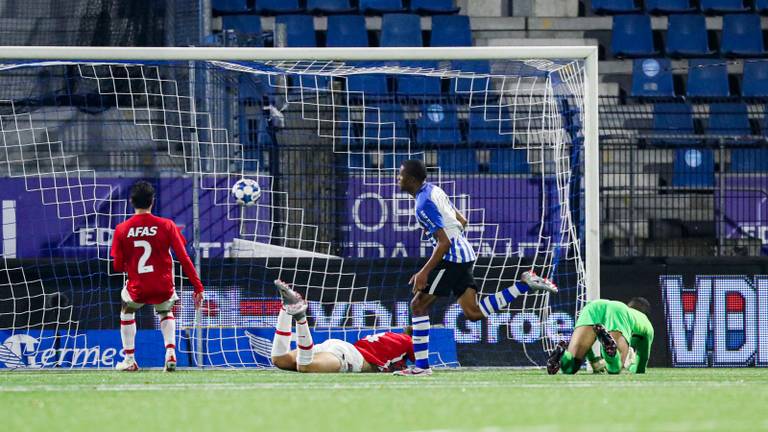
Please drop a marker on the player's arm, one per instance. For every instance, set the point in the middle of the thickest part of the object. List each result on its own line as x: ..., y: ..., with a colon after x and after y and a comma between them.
x: 460, y: 217
x: 419, y: 280
x: 177, y: 244
x: 117, y: 252
x: 642, y: 346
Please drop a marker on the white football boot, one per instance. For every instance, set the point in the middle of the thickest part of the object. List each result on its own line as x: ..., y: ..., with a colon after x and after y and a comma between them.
x: 538, y: 283
x: 413, y: 371
x: 170, y: 360
x: 293, y: 303
x: 127, y: 365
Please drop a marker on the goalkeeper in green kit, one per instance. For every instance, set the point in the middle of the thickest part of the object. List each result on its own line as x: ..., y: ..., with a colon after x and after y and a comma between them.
x: 623, y: 330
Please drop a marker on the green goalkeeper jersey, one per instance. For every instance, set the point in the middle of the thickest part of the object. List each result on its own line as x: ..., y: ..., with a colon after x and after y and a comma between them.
x: 631, y: 323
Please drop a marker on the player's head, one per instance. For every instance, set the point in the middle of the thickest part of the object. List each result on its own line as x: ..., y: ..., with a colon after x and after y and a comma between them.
x: 641, y: 304
x: 142, y: 195
x: 412, y: 175
x: 408, y: 330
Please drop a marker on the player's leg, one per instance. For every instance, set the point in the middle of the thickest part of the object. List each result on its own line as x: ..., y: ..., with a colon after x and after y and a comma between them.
x: 615, y: 350
x: 473, y: 310
x: 420, y: 305
x: 282, y: 356
x: 128, y: 310
x: 322, y: 362
x: 569, y: 358
x: 168, y: 330
x: 528, y: 282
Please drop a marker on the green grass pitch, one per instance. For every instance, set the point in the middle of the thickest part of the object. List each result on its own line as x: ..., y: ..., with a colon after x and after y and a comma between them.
x: 459, y: 400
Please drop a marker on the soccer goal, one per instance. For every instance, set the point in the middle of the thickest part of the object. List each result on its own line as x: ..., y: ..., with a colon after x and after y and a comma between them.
x: 509, y: 133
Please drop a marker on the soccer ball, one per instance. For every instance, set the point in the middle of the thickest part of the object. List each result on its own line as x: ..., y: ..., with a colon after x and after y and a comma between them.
x: 246, y: 192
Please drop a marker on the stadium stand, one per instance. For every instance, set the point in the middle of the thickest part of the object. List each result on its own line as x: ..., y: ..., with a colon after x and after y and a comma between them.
x: 450, y: 30
x: 632, y: 37
x: 508, y: 161
x: 401, y: 30
x: 385, y: 122
x: 458, y: 161
x: 326, y: 7
x: 221, y: 7
x: 723, y: 6
x: 433, y: 7
x: 755, y: 79
x: 652, y: 78
x: 749, y: 160
x: 299, y: 29
x: 419, y: 86
x: 708, y: 78
x: 277, y: 7
x: 488, y: 127
x: 438, y: 125
x: 728, y: 120
x: 687, y: 36
x: 346, y: 31
x: 665, y: 7
x: 670, y: 121
x: 378, y: 7
x: 247, y: 28
x: 465, y: 86
x: 693, y: 168
x: 614, y: 7
x: 742, y: 36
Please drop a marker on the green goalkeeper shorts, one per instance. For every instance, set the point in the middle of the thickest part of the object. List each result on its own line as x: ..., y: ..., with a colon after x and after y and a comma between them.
x: 613, y: 315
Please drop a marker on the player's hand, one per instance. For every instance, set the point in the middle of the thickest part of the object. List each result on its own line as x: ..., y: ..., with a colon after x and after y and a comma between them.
x: 198, y: 297
x: 418, y: 281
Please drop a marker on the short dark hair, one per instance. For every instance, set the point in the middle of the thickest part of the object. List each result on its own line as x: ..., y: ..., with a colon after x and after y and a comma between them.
x: 142, y: 194
x: 415, y: 168
x: 641, y: 304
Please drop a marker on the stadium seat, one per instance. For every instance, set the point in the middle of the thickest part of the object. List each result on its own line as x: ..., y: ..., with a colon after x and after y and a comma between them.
x: 385, y: 122
x: 631, y: 36
x: 508, y: 161
x: 299, y: 30
x: 612, y: 7
x: 652, y: 78
x: 247, y: 28
x: 749, y: 160
x: 693, y: 167
x: 418, y: 86
x: 346, y: 31
x: 722, y: 6
x: 462, y: 160
x: 451, y: 31
x: 742, y: 36
x: 465, y: 86
x: 755, y: 78
x: 328, y: 7
x: 761, y: 6
x: 489, y: 125
x: 665, y: 7
x: 401, y: 30
x: 687, y: 36
x: 438, y: 124
x: 278, y: 7
x: 229, y: 6
x: 729, y: 119
x: 708, y: 78
x: 672, y: 119
x: 434, y: 7
x: 372, y: 85
x: 378, y: 7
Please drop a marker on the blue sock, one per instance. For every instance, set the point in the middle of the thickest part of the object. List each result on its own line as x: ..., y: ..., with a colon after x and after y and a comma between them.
x: 496, y: 302
x: 421, y: 341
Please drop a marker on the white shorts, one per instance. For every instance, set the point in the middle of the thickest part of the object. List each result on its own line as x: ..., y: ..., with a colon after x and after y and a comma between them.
x: 350, y: 358
x: 161, y: 307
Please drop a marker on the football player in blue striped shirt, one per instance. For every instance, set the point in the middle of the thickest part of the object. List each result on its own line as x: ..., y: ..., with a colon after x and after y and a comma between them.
x: 449, y: 269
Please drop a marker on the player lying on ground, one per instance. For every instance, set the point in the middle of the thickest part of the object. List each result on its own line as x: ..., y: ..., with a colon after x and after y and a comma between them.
x: 141, y: 247
x: 624, y: 331
x: 449, y: 269
x: 381, y: 352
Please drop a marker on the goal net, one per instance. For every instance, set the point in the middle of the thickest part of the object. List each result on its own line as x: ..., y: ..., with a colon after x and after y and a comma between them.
x: 504, y: 136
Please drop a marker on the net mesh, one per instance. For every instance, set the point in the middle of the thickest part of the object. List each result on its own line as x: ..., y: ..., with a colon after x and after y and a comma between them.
x: 324, y: 140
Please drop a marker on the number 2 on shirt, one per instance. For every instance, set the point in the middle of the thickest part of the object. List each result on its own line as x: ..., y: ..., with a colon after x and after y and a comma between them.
x: 143, y: 267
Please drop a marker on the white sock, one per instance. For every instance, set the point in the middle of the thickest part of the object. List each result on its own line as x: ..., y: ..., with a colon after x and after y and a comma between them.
x: 128, y: 333
x: 304, y: 341
x: 281, y: 343
x: 168, y: 329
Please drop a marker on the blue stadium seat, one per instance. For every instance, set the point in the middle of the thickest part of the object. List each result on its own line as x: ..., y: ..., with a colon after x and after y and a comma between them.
x: 438, y: 124
x: 652, y: 78
x: 463, y: 160
x: 450, y: 31
x: 247, y: 28
x: 418, y: 86
x: 327, y: 7
x: 611, y: 7
x: 373, y: 85
x: 392, y: 160
x: 761, y: 6
x: 666, y: 7
x: 722, y: 6
x: 379, y: 7
x: 708, y: 78
x: 508, y: 161
x: 752, y: 160
x: 299, y: 30
x: 693, y: 167
x: 401, y: 30
x: 346, y: 31
x: 742, y: 36
x: 434, y: 7
x: 687, y: 36
x: 490, y: 125
x: 631, y: 36
x: 385, y: 122
x: 465, y: 86
x: 755, y: 79
x: 729, y: 119
x: 229, y: 6
x: 673, y: 118
x: 278, y: 7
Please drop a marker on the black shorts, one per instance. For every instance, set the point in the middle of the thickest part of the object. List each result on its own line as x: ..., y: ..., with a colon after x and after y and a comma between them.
x: 450, y: 277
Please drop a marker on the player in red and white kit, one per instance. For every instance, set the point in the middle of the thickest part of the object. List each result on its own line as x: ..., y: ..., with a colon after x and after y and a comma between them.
x: 381, y: 352
x: 141, y: 247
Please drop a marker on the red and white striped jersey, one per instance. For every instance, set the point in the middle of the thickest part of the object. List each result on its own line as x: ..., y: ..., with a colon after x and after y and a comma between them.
x: 389, y: 351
